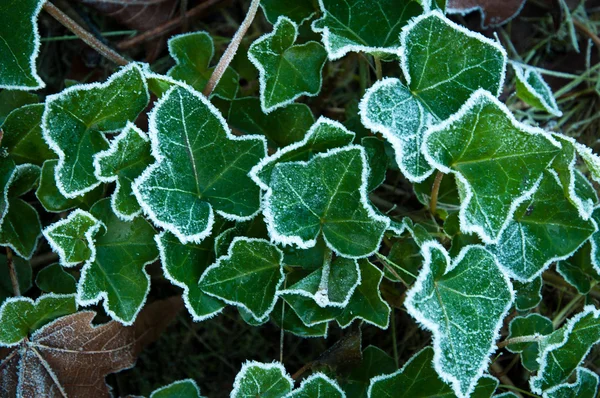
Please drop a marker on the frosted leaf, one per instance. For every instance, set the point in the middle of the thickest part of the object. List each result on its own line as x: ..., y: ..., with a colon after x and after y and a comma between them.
x: 581, y: 269
x: 291, y: 323
x: 257, y: 379
x: 180, y: 389
x: 378, y: 161
x: 463, y: 303
x: 529, y: 294
x: 286, y: 70
x: 530, y: 325
x: 532, y: 89
x: 497, y: 161
x: 317, y: 385
x: 54, y: 279
x: 586, y: 386
x: 298, y: 11
x: 200, y: 167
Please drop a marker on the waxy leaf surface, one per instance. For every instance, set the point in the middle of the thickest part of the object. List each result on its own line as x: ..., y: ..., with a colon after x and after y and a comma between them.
x: 54, y: 279
x: 268, y: 380
x: 23, y: 135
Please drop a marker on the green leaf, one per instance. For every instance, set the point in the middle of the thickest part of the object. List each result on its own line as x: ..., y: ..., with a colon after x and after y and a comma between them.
x: 23, y: 271
x: 200, y: 168
x: 54, y: 279
x: 348, y: 26
x: 124, y: 160
x: 530, y: 325
x: 374, y: 362
x: 117, y: 273
x: 317, y: 385
x: 298, y: 11
x: 325, y: 195
x: 563, y: 351
x: 24, y: 179
x: 532, y: 89
x: 20, y: 45
x: 586, y: 386
x: 378, y: 161
x: 7, y: 174
x: 75, y: 119
x: 405, y: 259
x: 183, y: 265
x: 19, y: 316
x: 579, y: 270
x: 419, y: 379
x: 21, y: 228
x: 291, y: 323
x: 248, y: 276
x: 544, y: 229
x: 389, y: 108
x: 192, y: 53
x: 463, y: 304
x: 23, y: 135
x: 13, y: 99
x: 528, y: 295
x: 265, y: 380
x: 180, y: 389
x: 441, y: 57
x: 72, y: 238
x: 286, y: 71
x: 516, y: 158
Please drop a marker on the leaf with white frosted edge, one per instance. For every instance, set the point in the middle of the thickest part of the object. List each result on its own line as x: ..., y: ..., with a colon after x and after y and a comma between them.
x: 325, y: 195
x: 298, y: 11
x: 124, y: 160
x: 200, y: 167
x: 444, y: 63
x: 463, y: 303
x: 528, y: 295
x: 348, y: 26
x: 389, y: 108
x: 317, y: 385
x: 13, y: 99
x: 532, y: 89
x: 545, y: 228
x: 75, y: 119
x: 192, y: 53
x: 7, y: 174
x: 248, y: 276
x: 595, y: 242
x: 592, y: 161
x: 579, y: 270
x: 255, y: 228
x: 419, y: 379
x: 324, y: 135
x: 482, y: 140
x: 286, y: 70
x: 586, y: 386
x: 54, y: 279
x: 366, y: 303
x: 20, y: 44
x: 23, y: 135
x: 404, y: 259
x: 378, y: 161
x: 180, y: 389
x: 117, y: 274
x: 291, y: 323
x: 268, y: 380
x: 23, y: 271
x: 530, y: 325
x: 72, y: 238
x: 183, y: 265
x: 374, y: 362
x: 563, y: 351
x: 19, y: 316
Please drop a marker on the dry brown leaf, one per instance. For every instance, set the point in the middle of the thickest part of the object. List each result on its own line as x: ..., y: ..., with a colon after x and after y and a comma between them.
x: 493, y: 12
x: 140, y: 15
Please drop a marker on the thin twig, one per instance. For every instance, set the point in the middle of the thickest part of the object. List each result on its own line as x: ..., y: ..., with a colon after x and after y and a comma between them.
x: 12, y: 272
x: 231, y: 49
x: 435, y: 190
x: 378, y: 68
x: 520, y: 339
x: 84, y: 35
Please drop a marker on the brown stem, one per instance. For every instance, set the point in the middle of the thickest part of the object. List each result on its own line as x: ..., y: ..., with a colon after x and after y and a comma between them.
x: 378, y: 68
x: 12, y: 272
x: 166, y: 27
x: 435, y: 190
x: 584, y: 29
x: 84, y: 35
x: 302, y: 370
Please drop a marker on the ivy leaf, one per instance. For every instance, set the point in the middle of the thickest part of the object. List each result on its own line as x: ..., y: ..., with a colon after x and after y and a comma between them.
x: 291, y: 323
x: 374, y: 361
x: 192, y: 53
x: 182, y: 388
x: 23, y: 135
x: 563, y: 351
x: 23, y: 271
x: 248, y: 276
x: 200, y: 167
x: 378, y: 161
x: 586, y: 386
x: 125, y: 160
x: 19, y: 316
x: 532, y: 89
x: 297, y: 11
x: 20, y: 45
x: 444, y: 63
x: 579, y: 270
x: 528, y: 295
x: 389, y: 108
x: 286, y: 71
x: 317, y: 385
x: 54, y: 279
x: 348, y: 26
x: 74, y: 120
x: 14, y: 99
x: 326, y: 194
x: 463, y: 304
x: 544, y: 229
x: 530, y: 325
x: 463, y: 146
x: 268, y: 380
x: 405, y: 259
x: 7, y: 174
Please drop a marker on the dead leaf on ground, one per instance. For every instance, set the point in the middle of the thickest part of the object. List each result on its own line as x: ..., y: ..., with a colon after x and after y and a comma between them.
x: 140, y: 15
x: 493, y: 12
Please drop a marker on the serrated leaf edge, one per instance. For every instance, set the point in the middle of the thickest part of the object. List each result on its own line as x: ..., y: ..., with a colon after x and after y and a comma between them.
x: 246, y: 366
x: 522, y: 73
x: 175, y: 383
x: 318, y: 375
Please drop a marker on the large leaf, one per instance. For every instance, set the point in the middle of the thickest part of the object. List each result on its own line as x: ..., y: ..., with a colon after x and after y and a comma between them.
x: 325, y: 195
x: 463, y: 303
x: 483, y: 140
x: 317, y: 385
x: 268, y: 380
x: 286, y: 71
x: 200, y: 167
x: 23, y: 135
x: 74, y: 120
x: 586, y: 386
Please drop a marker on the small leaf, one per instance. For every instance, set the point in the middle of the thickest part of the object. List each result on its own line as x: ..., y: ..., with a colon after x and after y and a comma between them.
x: 532, y: 89
x: 23, y: 135
x: 21, y: 228
x: 248, y: 277
x: 317, y: 385
x: 326, y: 194
x: 75, y: 119
x: 579, y: 270
x: 586, y: 386
x: 7, y: 174
x: 23, y: 271
x: 463, y: 146
x: 13, y: 99
x: 200, y: 168
x: 124, y: 160
x: 268, y: 380
x: 405, y: 259
x: 348, y: 26
x: 54, y: 279
x: 463, y: 304
x: 291, y: 323
x: 20, y: 45
x: 530, y: 325
x: 19, y: 316
x: 287, y: 71
x: 528, y: 295
x: 493, y: 12
x: 298, y: 11
x: 180, y: 389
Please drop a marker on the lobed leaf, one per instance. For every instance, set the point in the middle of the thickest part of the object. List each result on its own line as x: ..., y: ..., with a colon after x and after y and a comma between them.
x: 317, y: 385
x: 586, y: 386
x: 268, y: 380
